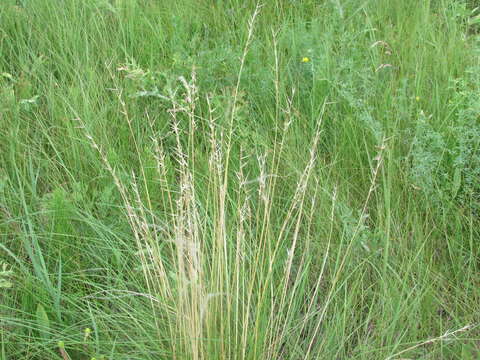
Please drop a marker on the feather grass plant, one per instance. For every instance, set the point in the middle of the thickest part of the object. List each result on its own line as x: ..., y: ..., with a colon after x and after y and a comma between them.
x: 229, y: 180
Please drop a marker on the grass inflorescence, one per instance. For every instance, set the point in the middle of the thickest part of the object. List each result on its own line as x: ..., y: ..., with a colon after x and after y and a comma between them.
x: 236, y: 180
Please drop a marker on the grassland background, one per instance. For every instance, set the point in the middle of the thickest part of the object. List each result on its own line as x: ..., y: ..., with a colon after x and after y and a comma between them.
x: 218, y: 180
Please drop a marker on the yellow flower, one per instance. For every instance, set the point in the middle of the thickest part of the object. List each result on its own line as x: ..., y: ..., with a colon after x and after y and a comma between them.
x: 87, y: 333
x: 305, y: 59
x: 417, y: 98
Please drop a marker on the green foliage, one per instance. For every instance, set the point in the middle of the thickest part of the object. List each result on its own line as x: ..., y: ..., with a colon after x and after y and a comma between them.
x: 5, y: 276
x: 446, y: 157
x: 43, y: 322
x: 184, y: 180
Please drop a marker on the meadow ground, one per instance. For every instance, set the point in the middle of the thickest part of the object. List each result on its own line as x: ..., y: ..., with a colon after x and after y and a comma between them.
x: 208, y: 179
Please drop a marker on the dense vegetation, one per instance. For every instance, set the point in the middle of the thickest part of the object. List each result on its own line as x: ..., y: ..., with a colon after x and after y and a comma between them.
x: 213, y: 179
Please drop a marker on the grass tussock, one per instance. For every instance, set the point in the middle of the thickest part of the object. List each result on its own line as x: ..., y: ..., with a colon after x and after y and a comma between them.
x: 233, y: 180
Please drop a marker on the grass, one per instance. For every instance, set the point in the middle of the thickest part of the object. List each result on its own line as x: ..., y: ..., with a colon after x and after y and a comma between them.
x: 233, y: 180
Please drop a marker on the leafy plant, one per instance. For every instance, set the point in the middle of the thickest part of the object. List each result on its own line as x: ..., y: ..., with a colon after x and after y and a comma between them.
x: 5, y: 277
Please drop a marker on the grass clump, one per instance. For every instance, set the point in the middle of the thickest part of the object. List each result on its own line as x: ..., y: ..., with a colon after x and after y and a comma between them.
x: 229, y: 180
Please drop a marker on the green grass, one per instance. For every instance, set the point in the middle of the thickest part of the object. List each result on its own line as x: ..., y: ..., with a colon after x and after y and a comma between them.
x: 176, y: 183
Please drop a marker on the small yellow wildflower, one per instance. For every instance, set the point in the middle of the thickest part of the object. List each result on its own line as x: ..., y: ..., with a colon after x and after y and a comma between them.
x: 87, y: 333
x: 417, y: 98
x: 305, y: 59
